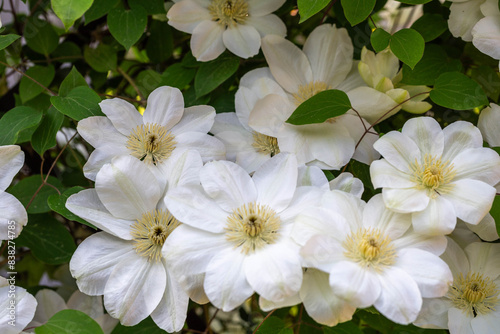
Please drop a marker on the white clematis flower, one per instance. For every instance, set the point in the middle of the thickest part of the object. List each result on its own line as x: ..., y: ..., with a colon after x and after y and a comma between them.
x: 237, y: 25
x: 17, y: 307
x: 436, y: 175
x: 13, y: 215
x: 372, y: 257
x: 124, y: 263
x: 472, y: 304
x: 152, y: 138
x: 236, y: 231
x: 50, y: 303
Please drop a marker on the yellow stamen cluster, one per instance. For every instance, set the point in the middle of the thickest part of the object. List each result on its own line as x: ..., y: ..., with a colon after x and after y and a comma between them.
x: 150, y: 232
x: 433, y: 175
x: 151, y: 143
x: 474, y: 294
x: 370, y: 248
x: 309, y: 90
x: 265, y: 144
x: 252, y: 226
x: 228, y: 13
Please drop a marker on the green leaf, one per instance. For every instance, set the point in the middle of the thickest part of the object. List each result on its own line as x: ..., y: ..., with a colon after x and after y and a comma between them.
x: 127, y: 26
x: 274, y: 325
x: 151, y: 6
x: 380, y: 39
x: 58, y: 204
x: 414, y: 2
x: 160, y: 42
x: 408, y: 45
x: 40, y: 36
x: 434, y: 63
x: 67, y: 52
x: 72, y: 80
x: 320, y: 107
x: 213, y: 73
x: 430, y: 26
x: 356, y: 11
x: 146, y: 81
x: 45, y: 135
x: 457, y: 91
x: 28, y: 88
x: 495, y: 212
x: 6, y: 40
x: 26, y: 188
x: 488, y: 79
x: 15, y: 120
x: 343, y: 328
x: 80, y: 103
x: 177, y: 76
x: 147, y: 326
x: 308, y: 8
x: 102, y: 59
x: 70, y: 322
x: 98, y: 9
x: 70, y: 10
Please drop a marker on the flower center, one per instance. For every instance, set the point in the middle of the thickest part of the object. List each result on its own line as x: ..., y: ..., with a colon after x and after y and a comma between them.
x: 309, y: 90
x: 252, y: 226
x: 370, y: 248
x: 150, y: 232
x: 229, y: 13
x: 433, y: 175
x: 151, y: 143
x: 474, y: 294
x: 265, y: 144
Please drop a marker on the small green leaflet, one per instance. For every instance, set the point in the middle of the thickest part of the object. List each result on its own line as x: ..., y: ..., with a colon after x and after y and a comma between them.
x: 127, y: 26
x: 70, y: 322
x: 380, y: 39
x: 70, y: 10
x: 80, y: 103
x: 457, y: 91
x: 6, y: 40
x: 213, y: 73
x: 356, y: 11
x: 15, y: 120
x: 308, y: 8
x: 408, y: 45
x: 45, y: 135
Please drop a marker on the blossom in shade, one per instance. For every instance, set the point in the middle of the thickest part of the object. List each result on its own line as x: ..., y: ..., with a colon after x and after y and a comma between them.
x: 236, y: 231
x: 472, y: 304
x: 152, y: 138
x: 17, y: 307
x: 13, y: 215
x: 124, y: 262
x: 372, y: 257
x: 237, y: 25
x: 436, y: 174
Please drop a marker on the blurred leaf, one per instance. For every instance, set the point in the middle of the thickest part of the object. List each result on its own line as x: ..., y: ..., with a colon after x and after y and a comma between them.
x: 147, y: 81
x: 80, y: 103
x: 408, y: 45
x: 102, y: 59
x: 40, y: 36
x: 274, y: 325
x: 213, y: 73
x: 308, y: 8
x: 147, y: 326
x: 343, y: 328
x: 70, y: 322
x: 177, y: 76
x: 70, y: 10
x: 356, y: 11
x: 26, y: 188
x: 67, y: 52
x: 98, y: 9
x: 430, y: 26
x: 127, y: 26
x: 434, y: 63
x: 29, y: 89
x: 73, y: 79
x: 455, y: 90
x: 320, y: 107
x: 45, y: 135
x: 488, y: 79
x: 160, y: 42
x: 414, y: 2
x: 6, y: 40
x: 15, y: 120
x: 151, y: 6
x: 380, y: 39
x: 58, y: 204
x: 495, y: 212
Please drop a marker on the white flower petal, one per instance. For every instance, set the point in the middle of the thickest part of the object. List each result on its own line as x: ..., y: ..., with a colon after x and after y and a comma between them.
x: 263, y: 7
x: 486, y: 322
x: 438, y: 218
x: 346, y: 182
x: 25, y: 305
x: 484, y: 258
x: 122, y: 114
x: 127, y: 188
x: 489, y: 118
x: 390, y: 223
x: 228, y: 184
x: 288, y: 64
x: 266, y: 305
x: 95, y: 259
x: 312, y: 176
x: 195, y: 119
x: 267, y: 25
x: 11, y: 210
x: 206, y: 42
x: 90, y: 305
x: 242, y: 40
x: 426, y: 133
x: 399, y: 150
x: 304, y: 198
x: 165, y: 107
x: 322, y: 252
x: 432, y: 244
x: 372, y: 105
x: 225, y: 283
x: 486, y: 229
x: 99, y: 132
x: 455, y: 257
x: 459, y: 322
x: 87, y: 205
x: 364, y: 152
x: 463, y: 17
x: 434, y: 313
x: 319, y: 221
x: 11, y: 161
x: 459, y: 136
x: 186, y: 15
x: 209, y: 147
x: 269, y: 115
x: 49, y: 303
x: 400, y: 299
x: 486, y: 36
x: 481, y: 164
x: 471, y: 199
x: 405, y: 200
x: 134, y: 289
x: 383, y: 174
x: 99, y: 157
x: 182, y: 169
x: 330, y: 52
